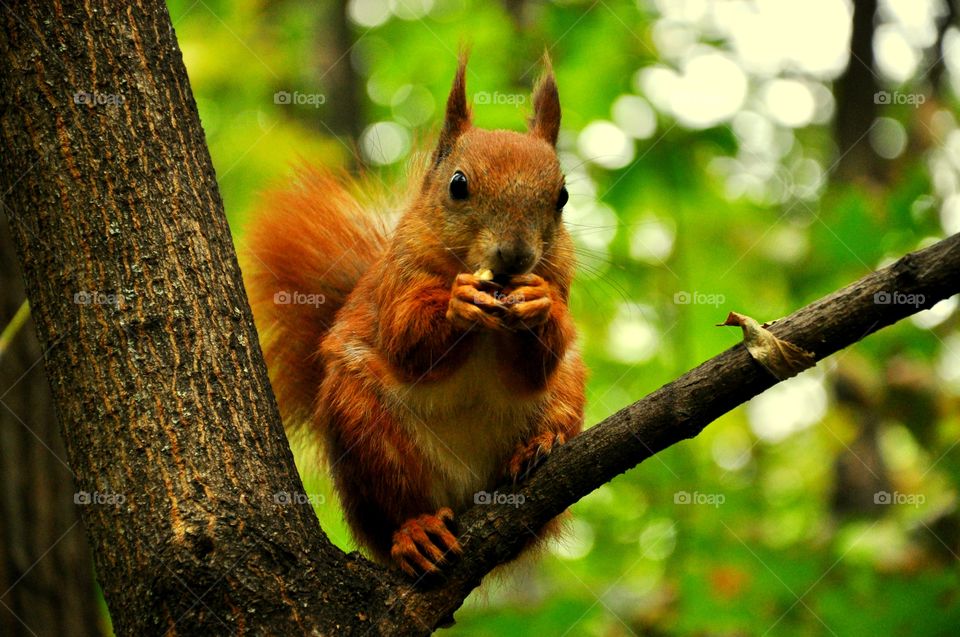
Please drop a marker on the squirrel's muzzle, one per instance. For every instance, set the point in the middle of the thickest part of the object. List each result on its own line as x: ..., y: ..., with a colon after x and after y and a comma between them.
x: 515, y: 257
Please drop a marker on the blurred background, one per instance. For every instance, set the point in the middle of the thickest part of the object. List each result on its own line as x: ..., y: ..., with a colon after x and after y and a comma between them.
x: 746, y: 155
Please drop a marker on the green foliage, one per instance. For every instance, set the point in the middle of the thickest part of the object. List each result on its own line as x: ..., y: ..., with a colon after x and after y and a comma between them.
x: 744, y: 214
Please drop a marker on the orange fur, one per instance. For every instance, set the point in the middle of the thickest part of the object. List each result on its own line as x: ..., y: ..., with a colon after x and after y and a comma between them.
x: 311, y: 239
x: 426, y: 382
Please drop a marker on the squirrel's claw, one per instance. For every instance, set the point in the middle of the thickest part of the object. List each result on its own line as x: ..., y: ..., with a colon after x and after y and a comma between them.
x: 530, y: 454
x: 422, y: 543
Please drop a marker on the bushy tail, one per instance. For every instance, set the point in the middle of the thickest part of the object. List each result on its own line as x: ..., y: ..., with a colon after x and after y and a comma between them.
x: 306, y: 248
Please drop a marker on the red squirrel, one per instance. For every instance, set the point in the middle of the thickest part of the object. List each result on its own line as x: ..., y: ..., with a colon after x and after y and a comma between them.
x: 427, y: 379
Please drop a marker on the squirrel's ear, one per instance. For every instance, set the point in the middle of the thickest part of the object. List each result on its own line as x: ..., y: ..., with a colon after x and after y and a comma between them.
x: 545, y: 122
x: 457, y: 120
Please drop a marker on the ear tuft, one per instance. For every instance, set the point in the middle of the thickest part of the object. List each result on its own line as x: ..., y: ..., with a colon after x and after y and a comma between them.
x: 457, y: 119
x: 545, y: 122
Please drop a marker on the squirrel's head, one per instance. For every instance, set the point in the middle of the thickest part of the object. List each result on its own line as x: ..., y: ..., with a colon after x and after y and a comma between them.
x: 495, y: 197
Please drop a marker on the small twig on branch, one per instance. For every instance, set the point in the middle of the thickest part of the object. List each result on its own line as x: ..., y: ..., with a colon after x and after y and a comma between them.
x: 492, y: 534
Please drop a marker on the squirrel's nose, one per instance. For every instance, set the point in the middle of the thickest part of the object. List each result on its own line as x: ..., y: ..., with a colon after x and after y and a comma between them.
x: 513, y: 258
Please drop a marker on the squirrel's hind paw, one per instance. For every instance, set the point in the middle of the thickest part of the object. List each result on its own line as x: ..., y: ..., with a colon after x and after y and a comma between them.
x: 528, y: 455
x: 422, y: 543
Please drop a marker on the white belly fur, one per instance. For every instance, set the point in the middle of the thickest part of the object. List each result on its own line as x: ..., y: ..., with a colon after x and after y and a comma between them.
x: 467, y: 426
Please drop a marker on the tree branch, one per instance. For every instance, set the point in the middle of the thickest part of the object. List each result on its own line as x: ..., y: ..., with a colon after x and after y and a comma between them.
x: 492, y: 534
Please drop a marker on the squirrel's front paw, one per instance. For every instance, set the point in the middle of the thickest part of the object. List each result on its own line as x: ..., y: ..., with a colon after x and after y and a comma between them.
x: 421, y: 544
x: 528, y: 455
x: 473, y: 301
x: 528, y: 301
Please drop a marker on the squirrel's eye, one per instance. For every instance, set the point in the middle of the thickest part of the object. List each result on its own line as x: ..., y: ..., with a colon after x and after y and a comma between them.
x: 458, y: 186
x: 562, y: 199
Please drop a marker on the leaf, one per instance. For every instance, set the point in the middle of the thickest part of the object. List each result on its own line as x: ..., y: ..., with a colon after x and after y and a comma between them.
x: 781, y: 358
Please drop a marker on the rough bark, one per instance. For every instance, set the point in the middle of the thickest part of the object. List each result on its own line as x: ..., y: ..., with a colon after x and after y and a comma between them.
x: 46, y: 575
x: 162, y: 392
x: 151, y: 352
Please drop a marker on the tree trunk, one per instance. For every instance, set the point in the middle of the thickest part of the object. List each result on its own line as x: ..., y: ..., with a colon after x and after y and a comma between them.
x: 857, y: 106
x: 46, y: 576
x: 343, y: 116
x: 169, y: 422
